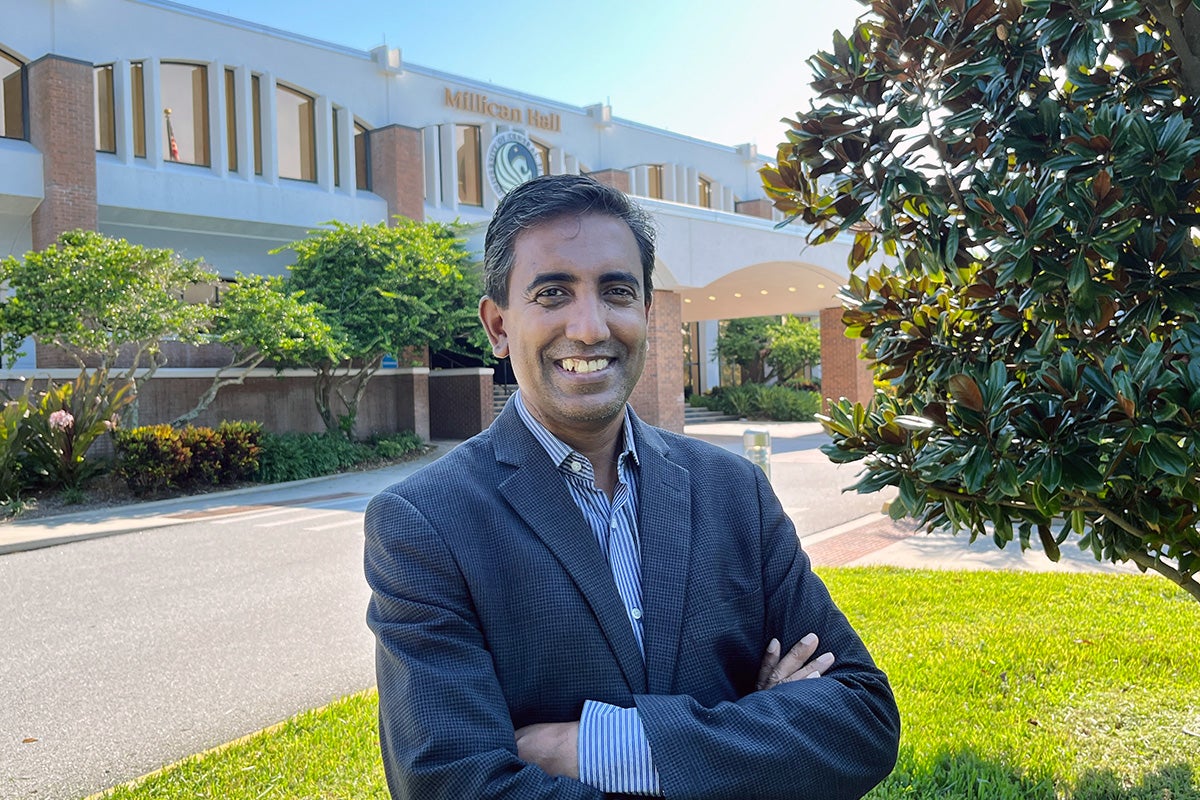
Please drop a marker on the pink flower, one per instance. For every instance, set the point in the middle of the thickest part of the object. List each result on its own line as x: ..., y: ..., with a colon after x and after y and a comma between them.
x: 61, y: 420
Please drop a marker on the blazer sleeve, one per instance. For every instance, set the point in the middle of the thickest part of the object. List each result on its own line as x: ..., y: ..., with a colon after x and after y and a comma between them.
x: 832, y: 737
x: 444, y: 726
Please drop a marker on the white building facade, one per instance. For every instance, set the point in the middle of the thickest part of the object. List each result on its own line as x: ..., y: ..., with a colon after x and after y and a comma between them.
x: 223, y: 139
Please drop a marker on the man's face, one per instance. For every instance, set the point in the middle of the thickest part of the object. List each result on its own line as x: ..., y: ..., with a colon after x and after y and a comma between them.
x: 575, y: 326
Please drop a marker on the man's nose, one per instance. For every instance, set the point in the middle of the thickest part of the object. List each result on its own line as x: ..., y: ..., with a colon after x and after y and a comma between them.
x: 588, y: 322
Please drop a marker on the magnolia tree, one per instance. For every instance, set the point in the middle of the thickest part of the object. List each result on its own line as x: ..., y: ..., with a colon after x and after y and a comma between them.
x: 382, y: 290
x: 1025, y: 177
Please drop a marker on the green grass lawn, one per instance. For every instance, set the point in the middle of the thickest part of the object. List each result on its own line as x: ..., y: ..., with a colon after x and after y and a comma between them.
x: 1010, y: 685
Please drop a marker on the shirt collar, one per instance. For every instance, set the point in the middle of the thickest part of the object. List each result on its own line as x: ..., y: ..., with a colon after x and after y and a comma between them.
x: 559, y: 451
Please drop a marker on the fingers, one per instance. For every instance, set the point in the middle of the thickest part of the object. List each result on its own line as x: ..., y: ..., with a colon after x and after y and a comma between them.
x: 769, y: 662
x: 798, y: 664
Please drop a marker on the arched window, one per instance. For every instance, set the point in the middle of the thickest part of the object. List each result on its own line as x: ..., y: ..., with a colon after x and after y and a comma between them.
x: 296, y: 134
x: 12, y: 97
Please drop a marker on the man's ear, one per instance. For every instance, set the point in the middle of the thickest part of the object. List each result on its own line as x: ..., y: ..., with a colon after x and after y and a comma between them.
x: 492, y: 317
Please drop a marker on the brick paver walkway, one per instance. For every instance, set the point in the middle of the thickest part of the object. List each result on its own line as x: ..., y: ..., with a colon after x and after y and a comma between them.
x: 846, y: 547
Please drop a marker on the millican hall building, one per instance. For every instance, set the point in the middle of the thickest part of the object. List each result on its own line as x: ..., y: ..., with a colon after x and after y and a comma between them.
x: 223, y: 139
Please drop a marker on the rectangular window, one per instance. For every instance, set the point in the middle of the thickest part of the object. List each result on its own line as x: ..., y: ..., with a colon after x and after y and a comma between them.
x: 12, y: 98
x: 296, y: 134
x: 231, y: 143
x: 337, y: 143
x: 185, y: 113
x: 704, y: 195
x: 256, y: 122
x: 470, y: 173
x: 654, y: 181
x: 137, y: 86
x: 106, y: 113
x: 362, y: 164
x: 544, y: 155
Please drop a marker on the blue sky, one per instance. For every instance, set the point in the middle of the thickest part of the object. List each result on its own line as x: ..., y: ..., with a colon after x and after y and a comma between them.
x: 723, y: 71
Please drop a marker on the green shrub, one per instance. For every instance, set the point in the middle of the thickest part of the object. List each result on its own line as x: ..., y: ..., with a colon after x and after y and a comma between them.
x: 13, y: 432
x: 207, y: 453
x: 706, y: 401
x: 295, y: 456
x: 786, y: 404
x: 396, y: 445
x: 151, y: 458
x: 741, y: 401
x: 241, y: 450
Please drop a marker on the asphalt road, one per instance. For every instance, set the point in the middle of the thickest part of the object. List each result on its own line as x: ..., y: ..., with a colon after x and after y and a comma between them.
x: 125, y: 653
x: 122, y: 654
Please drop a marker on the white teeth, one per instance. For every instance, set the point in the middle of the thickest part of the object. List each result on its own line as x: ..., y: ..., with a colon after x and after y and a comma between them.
x: 581, y: 365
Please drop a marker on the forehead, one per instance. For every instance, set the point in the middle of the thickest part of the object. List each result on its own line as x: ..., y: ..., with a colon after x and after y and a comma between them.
x: 577, y: 241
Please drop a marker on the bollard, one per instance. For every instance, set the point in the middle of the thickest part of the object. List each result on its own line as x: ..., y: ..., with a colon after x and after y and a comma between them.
x: 756, y: 446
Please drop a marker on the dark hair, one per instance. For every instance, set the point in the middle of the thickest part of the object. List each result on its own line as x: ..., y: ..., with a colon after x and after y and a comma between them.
x: 549, y: 197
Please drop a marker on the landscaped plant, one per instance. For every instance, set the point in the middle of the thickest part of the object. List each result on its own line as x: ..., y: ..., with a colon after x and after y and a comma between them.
x: 13, y: 433
x: 64, y: 423
x: 260, y: 320
x: 1022, y: 182
x: 99, y: 299
x: 383, y: 290
x: 152, y: 458
x: 769, y: 349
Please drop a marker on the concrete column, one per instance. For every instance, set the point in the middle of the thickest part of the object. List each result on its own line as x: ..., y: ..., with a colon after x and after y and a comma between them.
x: 844, y: 373
x: 62, y: 126
x: 154, y: 112
x: 270, y: 128
x: 710, y: 365
x: 658, y: 396
x: 123, y: 110
x: 397, y: 171
x: 431, y: 139
x: 218, y: 133
x: 449, y: 166
x: 323, y: 122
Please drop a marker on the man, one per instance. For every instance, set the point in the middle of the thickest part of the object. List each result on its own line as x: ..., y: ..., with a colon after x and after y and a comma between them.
x: 574, y: 604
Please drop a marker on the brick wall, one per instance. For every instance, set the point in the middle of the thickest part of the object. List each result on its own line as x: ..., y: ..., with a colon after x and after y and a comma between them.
x: 62, y: 127
x: 397, y: 170
x: 616, y: 178
x: 460, y: 402
x: 843, y: 372
x: 658, y: 396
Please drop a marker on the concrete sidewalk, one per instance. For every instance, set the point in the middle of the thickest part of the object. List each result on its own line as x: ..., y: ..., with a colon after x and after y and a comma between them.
x: 856, y: 539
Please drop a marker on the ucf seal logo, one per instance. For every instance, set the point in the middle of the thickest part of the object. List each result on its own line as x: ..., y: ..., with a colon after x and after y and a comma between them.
x: 511, y: 160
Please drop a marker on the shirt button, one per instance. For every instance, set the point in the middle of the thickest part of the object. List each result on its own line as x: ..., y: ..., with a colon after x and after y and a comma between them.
x: 636, y: 613
x: 576, y: 466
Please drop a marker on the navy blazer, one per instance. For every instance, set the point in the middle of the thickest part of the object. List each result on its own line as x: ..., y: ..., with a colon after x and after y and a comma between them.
x: 494, y: 608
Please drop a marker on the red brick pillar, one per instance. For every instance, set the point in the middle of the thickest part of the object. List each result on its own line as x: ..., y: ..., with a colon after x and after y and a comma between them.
x: 62, y: 126
x: 398, y: 170
x: 658, y: 396
x: 616, y: 178
x: 843, y: 372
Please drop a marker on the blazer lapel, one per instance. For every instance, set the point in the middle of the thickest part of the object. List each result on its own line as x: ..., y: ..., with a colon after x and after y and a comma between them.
x: 536, y: 491
x: 665, y: 530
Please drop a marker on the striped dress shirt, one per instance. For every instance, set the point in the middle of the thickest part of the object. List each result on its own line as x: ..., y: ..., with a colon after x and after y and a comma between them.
x: 614, y: 753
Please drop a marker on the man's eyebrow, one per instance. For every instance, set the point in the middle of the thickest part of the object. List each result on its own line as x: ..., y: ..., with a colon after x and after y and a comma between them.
x: 550, y: 277
x: 620, y: 276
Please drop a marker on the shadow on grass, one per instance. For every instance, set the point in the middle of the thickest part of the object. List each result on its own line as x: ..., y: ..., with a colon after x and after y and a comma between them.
x: 965, y: 774
x: 1171, y: 782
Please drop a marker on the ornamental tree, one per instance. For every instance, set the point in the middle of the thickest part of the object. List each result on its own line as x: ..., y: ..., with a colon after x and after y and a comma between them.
x: 98, y: 298
x: 769, y: 348
x: 382, y: 290
x: 1024, y: 181
x: 260, y: 320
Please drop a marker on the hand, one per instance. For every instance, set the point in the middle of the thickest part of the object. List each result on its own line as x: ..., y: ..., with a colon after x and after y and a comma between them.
x: 794, y: 666
x: 553, y: 746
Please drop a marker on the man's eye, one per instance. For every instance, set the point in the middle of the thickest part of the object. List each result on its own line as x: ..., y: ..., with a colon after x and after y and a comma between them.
x: 550, y: 294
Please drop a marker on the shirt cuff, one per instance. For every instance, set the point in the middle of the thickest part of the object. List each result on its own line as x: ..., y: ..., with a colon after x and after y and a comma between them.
x: 614, y: 753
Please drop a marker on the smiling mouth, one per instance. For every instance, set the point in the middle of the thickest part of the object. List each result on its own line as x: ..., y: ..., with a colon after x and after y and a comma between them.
x: 582, y: 366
